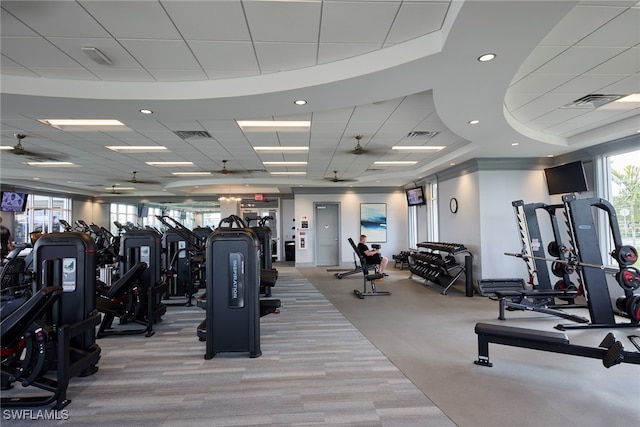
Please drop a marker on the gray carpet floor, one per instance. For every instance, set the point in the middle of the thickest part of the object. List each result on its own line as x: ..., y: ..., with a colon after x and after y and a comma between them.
x: 430, y: 337
x: 316, y: 368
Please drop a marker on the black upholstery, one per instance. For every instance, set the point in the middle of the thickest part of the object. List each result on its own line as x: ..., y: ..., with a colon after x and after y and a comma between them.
x: 16, y: 323
x: 367, y: 276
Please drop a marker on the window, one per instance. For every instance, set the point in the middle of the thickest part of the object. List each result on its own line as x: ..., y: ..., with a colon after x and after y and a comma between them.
x: 621, y: 187
x: 433, y: 231
x: 42, y: 215
x: 123, y: 214
x: 413, y: 226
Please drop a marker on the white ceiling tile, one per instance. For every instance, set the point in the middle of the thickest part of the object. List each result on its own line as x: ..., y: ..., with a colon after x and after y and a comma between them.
x: 628, y: 62
x: 285, y: 56
x: 623, y: 30
x: 283, y: 21
x: 50, y: 14
x: 209, y: 20
x: 164, y: 75
x: 587, y: 84
x: 171, y: 54
x: 627, y: 85
x: 225, y: 56
x: 60, y: 73
x: 10, y: 26
x: 34, y: 52
x: 540, y: 82
x: 133, y: 19
x: 579, y: 23
x: 578, y: 59
x: 539, y: 56
x: 417, y: 19
x: 329, y: 52
x: 122, y: 75
x: 354, y: 22
x: 109, y: 47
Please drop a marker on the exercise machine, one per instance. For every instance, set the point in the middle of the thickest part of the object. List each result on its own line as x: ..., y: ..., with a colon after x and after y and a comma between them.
x: 369, y: 278
x: 610, y: 350
x: 51, y: 337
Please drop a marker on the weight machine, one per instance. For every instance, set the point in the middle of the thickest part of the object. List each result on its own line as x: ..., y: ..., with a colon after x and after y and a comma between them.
x: 585, y: 259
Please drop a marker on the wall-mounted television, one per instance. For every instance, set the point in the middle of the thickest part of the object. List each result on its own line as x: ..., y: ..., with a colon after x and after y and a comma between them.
x: 13, y: 202
x: 415, y: 196
x: 567, y: 178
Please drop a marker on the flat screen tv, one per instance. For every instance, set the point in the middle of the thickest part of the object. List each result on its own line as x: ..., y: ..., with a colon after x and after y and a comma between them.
x: 13, y: 202
x: 567, y: 178
x: 415, y: 196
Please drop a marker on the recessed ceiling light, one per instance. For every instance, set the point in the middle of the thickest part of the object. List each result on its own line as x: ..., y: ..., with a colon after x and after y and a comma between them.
x: 281, y: 149
x: 395, y: 162
x: 6, y: 147
x: 146, y: 111
x: 513, y: 144
x: 487, y: 57
x: 51, y: 164
x: 170, y: 163
x: 117, y: 187
x: 138, y: 148
x: 474, y: 122
x: 84, y: 124
x: 273, y: 125
x: 190, y: 173
x: 287, y: 173
x: 284, y: 163
x: 417, y: 147
x: 300, y: 102
x: 97, y: 56
x: 550, y: 155
x: 452, y: 164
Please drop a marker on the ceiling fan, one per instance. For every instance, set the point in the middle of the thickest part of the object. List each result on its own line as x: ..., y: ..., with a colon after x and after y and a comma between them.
x: 115, y: 190
x: 134, y: 179
x: 224, y: 170
x: 335, y: 178
x: 358, y: 148
x: 19, y: 150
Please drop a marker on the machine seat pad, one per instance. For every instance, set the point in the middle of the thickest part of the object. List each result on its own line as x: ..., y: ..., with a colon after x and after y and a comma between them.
x: 491, y: 329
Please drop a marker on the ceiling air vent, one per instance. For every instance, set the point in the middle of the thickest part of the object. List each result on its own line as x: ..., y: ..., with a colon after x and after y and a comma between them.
x: 192, y: 134
x: 594, y: 100
x: 422, y: 134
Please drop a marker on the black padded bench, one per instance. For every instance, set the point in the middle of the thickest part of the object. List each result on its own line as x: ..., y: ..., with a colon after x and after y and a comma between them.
x: 518, y: 337
x: 610, y: 350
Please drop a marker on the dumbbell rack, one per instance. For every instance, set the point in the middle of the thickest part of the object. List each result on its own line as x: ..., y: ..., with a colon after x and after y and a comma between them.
x: 430, y: 264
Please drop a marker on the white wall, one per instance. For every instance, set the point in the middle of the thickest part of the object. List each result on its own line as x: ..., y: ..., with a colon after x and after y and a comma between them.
x: 485, y: 222
x: 498, y: 225
x: 464, y: 225
x: 397, y: 226
x: 91, y: 212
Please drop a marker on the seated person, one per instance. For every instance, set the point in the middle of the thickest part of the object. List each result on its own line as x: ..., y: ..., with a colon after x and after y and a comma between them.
x: 372, y: 256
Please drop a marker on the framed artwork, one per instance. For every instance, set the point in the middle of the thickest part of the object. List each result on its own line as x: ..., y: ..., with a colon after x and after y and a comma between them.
x: 373, y: 221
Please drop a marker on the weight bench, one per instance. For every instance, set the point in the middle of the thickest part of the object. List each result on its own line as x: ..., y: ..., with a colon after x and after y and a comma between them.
x: 610, y: 350
x: 371, y: 278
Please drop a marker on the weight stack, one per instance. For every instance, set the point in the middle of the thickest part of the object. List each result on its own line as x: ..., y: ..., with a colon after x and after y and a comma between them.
x: 233, y: 298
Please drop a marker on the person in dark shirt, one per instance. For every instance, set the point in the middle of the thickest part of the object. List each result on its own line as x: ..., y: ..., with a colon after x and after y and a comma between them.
x: 7, y: 244
x: 372, y: 256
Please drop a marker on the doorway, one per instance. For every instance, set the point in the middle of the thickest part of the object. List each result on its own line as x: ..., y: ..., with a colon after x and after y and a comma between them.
x: 327, y: 230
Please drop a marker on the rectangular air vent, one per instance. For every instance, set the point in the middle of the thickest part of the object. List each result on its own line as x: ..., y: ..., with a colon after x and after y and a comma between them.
x: 422, y: 134
x: 591, y: 101
x: 192, y: 134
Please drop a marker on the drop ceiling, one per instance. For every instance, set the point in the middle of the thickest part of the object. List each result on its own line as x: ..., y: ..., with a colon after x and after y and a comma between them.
x: 390, y: 72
